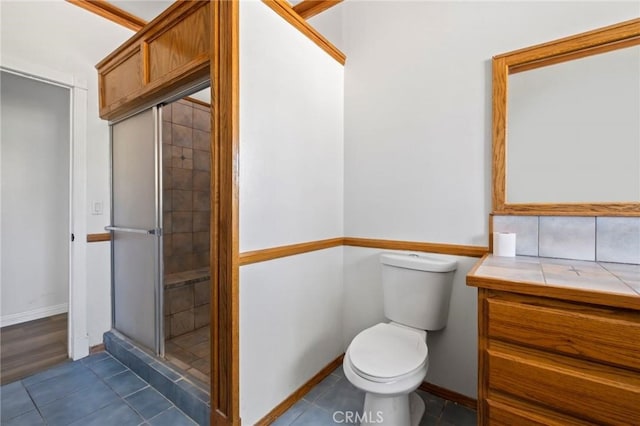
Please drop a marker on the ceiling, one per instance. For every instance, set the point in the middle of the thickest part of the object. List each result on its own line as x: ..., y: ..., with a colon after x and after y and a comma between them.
x: 149, y: 9
x: 146, y: 10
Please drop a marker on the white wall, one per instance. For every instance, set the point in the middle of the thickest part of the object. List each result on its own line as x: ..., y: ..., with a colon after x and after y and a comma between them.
x: 35, y: 199
x: 418, y: 137
x: 291, y: 180
x: 291, y: 118
x: 417, y: 107
x: 65, y: 38
x: 290, y: 326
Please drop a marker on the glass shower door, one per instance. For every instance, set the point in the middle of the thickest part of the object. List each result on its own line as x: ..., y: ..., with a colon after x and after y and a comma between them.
x: 136, y: 234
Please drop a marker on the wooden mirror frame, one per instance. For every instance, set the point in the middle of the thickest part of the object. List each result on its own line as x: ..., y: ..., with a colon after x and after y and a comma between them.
x: 618, y: 36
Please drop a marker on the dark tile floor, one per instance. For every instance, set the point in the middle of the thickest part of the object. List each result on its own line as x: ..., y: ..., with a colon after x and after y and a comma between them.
x: 335, y: 393
x: 101, y: 391
x: 97, y: 390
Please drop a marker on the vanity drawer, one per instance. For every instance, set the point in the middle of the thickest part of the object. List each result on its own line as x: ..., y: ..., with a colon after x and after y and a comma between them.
x: 598, y: 334
x: 506, y: 411
x: 581, y: 389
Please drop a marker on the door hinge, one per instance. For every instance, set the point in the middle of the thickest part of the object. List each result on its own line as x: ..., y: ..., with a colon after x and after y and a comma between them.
x: 73, y: 237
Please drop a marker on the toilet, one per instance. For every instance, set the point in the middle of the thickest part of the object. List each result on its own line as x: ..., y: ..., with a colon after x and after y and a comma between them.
x: 389, y: 360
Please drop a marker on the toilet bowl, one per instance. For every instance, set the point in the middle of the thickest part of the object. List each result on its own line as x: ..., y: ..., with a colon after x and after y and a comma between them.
x: 389, y: 361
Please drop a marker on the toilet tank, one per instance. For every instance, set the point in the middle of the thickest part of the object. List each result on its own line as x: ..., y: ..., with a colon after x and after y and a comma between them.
x: 417, y: 289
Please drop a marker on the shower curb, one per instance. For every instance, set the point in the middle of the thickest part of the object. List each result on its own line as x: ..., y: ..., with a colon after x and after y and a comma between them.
x: 192, y: 400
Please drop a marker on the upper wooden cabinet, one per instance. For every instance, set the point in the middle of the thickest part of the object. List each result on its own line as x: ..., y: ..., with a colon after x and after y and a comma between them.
x: 169, y: 53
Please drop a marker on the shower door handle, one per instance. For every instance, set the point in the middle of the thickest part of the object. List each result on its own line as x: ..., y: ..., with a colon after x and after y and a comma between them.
x: 155, y: 231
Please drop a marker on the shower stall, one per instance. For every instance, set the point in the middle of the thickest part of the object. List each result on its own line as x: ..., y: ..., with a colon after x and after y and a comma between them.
x: 186, y: 182
x: 161, y: 208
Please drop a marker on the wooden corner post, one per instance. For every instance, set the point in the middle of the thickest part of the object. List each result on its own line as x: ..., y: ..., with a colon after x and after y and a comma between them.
x: 225, y: 368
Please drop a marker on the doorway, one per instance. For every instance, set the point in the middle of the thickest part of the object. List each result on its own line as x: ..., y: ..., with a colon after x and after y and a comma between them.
x: 35, y: 224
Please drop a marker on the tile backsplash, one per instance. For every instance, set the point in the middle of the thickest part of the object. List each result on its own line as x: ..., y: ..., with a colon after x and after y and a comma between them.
x: 567, y: 237
x: 603, y: 239
x: 618, y: 239
x: 526, y: 230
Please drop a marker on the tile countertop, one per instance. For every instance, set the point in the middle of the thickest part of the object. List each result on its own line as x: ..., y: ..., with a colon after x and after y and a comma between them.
x: 620, y: 280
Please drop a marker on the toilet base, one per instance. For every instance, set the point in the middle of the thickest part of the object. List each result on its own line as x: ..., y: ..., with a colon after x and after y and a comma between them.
x: 399, y: 410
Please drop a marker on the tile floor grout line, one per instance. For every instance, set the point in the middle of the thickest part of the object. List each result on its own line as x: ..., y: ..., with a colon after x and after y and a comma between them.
x: 177, y: 408
x: 63, y: 396
x: 136, y: 391
x: 35, y: 406
x: 144, y: 420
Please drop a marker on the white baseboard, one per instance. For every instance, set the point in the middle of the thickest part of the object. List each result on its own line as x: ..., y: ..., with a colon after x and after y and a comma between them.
x: 34, y: 314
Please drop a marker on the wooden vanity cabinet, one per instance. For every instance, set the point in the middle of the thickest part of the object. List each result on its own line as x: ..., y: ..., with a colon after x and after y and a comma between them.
x: 545, y: 361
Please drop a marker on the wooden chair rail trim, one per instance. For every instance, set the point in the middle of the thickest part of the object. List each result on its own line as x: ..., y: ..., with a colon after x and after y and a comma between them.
x: 310, y: 8
x: 271, y: 253
x: 263, y: 255
x: 96, y: 238
x: 450, y: 395
x: 255, y: 256
x: 282, y: 8
x: 297, y: 395
x: 440, y: 248
x: 111, y: 12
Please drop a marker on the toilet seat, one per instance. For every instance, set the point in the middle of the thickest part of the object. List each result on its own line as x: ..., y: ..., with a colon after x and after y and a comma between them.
x: 386, y: 352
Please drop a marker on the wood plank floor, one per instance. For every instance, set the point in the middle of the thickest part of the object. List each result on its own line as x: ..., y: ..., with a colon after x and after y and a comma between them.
x: 32, y: 346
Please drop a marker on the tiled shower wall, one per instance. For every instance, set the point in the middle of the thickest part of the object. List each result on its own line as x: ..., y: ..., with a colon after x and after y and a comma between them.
x: 602, y: 239
x: 186, y: 177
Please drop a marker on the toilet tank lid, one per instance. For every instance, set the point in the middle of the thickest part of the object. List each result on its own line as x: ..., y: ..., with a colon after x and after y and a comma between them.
x: 418, y: 262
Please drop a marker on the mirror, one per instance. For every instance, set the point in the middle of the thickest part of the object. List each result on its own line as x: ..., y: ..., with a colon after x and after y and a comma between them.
x: 573, y: 131
x: 567, y: 125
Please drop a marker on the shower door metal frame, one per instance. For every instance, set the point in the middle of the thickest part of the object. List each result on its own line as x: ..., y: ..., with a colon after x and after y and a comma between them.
x: 156, y: 231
